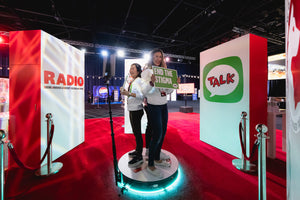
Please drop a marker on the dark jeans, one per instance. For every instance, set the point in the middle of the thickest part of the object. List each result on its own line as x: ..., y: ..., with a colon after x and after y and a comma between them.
x: 158, y: 118
x: 148, y: 134
x: 135, y: 121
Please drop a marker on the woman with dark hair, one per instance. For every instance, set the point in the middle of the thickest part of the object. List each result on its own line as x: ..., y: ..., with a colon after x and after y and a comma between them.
x: 135, y: 108
x: 157, y: 113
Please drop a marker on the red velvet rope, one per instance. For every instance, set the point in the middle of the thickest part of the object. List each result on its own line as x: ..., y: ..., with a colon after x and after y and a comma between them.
x: 20, y: 163
x: 254, y: 147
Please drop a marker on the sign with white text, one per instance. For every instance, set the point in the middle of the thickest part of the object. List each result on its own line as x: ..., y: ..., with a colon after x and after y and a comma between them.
x: 165, y: 78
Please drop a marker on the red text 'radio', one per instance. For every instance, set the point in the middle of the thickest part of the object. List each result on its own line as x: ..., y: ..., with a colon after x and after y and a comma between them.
x: 69, y: 80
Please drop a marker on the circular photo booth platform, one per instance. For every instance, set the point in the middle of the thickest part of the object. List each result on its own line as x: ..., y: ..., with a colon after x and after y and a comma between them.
x: 139, y: 177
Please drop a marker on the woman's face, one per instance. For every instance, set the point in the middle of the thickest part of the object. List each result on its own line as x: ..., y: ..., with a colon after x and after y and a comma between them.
x: 157, y: 58
x: 133, y: 71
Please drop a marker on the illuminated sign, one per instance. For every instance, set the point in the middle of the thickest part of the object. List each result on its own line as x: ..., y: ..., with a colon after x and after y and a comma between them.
x: 186, y: 88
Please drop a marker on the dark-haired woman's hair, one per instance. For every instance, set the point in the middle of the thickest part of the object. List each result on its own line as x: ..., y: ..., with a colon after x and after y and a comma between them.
x: 138, y: 69
x: 150, y: 63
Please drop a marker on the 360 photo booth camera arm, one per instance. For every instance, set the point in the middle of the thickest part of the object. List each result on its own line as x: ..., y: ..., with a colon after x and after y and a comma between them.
x: 116, y: 169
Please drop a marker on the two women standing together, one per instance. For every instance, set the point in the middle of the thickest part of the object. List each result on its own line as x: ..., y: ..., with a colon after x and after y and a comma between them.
x: 141, y: 90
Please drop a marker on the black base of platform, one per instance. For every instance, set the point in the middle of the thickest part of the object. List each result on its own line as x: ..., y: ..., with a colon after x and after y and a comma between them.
x: 186, y: 109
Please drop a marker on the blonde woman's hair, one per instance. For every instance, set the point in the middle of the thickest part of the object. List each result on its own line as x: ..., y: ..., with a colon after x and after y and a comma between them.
x: 150, y: 63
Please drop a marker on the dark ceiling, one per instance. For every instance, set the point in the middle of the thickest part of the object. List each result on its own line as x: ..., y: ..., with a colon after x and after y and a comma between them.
x: 181, y: 27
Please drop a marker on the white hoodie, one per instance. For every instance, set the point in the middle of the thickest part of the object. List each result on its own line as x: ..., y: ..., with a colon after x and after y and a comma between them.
x: 135, y: 103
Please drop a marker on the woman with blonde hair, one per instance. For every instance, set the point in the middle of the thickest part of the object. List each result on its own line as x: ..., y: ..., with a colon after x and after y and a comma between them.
x: 157, y: 113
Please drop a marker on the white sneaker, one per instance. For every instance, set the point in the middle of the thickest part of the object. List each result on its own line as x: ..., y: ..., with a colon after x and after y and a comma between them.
x: 164, y: 156
x: 156, y: 172
x: 163, y: 163
x: 136, y: 161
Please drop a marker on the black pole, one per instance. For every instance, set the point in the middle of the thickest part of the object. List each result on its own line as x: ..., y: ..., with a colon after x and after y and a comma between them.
x: 184, y: 93
x: 117, y: 174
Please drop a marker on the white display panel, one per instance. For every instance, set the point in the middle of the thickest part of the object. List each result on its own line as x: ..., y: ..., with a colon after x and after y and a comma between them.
x: 62, y: 94
x: 174, y: 95
x: 127, y: 126
x: 220, y: 117
x: 293, y: 98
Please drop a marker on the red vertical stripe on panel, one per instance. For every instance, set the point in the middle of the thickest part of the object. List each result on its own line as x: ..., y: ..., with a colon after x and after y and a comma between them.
x: 25, y: 95
x: 258, y: 84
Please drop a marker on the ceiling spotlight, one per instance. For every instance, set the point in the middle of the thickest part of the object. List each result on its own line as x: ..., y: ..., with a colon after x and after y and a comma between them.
x: 147, y: 56
x: 83, y: 50
x: 104, y: 53
x: 120, y: 53
x: 167, y: 59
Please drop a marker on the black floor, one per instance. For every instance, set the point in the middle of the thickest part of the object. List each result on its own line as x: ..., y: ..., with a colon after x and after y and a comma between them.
x: 101, y: 111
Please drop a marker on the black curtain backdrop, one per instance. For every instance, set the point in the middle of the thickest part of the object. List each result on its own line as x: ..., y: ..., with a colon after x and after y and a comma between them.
x: 4, y: 63
x: 276, y: 88
x: 94, y: 70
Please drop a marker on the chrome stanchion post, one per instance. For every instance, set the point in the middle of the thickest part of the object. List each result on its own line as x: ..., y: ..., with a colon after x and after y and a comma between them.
x: 2, y: 136
x: 49, y: 168
x: 243, y: 164
x: 262, y: 184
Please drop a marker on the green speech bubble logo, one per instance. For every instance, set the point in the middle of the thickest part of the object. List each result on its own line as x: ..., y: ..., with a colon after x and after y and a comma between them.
x: 223, y: 80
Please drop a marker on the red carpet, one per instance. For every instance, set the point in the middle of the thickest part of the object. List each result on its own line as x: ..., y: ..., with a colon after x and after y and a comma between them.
x: 279, y: 153
x: 88, y: 169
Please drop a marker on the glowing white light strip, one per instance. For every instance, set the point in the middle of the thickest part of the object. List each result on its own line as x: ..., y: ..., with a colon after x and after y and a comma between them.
x: 172, y: 186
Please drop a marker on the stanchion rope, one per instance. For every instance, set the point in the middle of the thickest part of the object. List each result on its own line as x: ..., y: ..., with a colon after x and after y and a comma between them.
x: 20, y: 163
x: 254, y: 147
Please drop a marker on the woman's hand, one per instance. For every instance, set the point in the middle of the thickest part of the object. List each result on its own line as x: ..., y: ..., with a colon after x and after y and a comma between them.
x: 178, y: 80
x: 124, y: 92
x: 153, y: 78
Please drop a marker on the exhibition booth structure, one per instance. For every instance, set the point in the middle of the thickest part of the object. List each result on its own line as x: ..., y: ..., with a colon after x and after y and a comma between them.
x: 187, y: 88
x: 46, y: 90
x: 100, y: 94
x: 233, y: 80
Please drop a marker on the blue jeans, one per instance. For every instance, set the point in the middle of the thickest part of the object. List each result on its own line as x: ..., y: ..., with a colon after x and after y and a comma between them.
x: 158, y: 119
x: 148, y: 133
